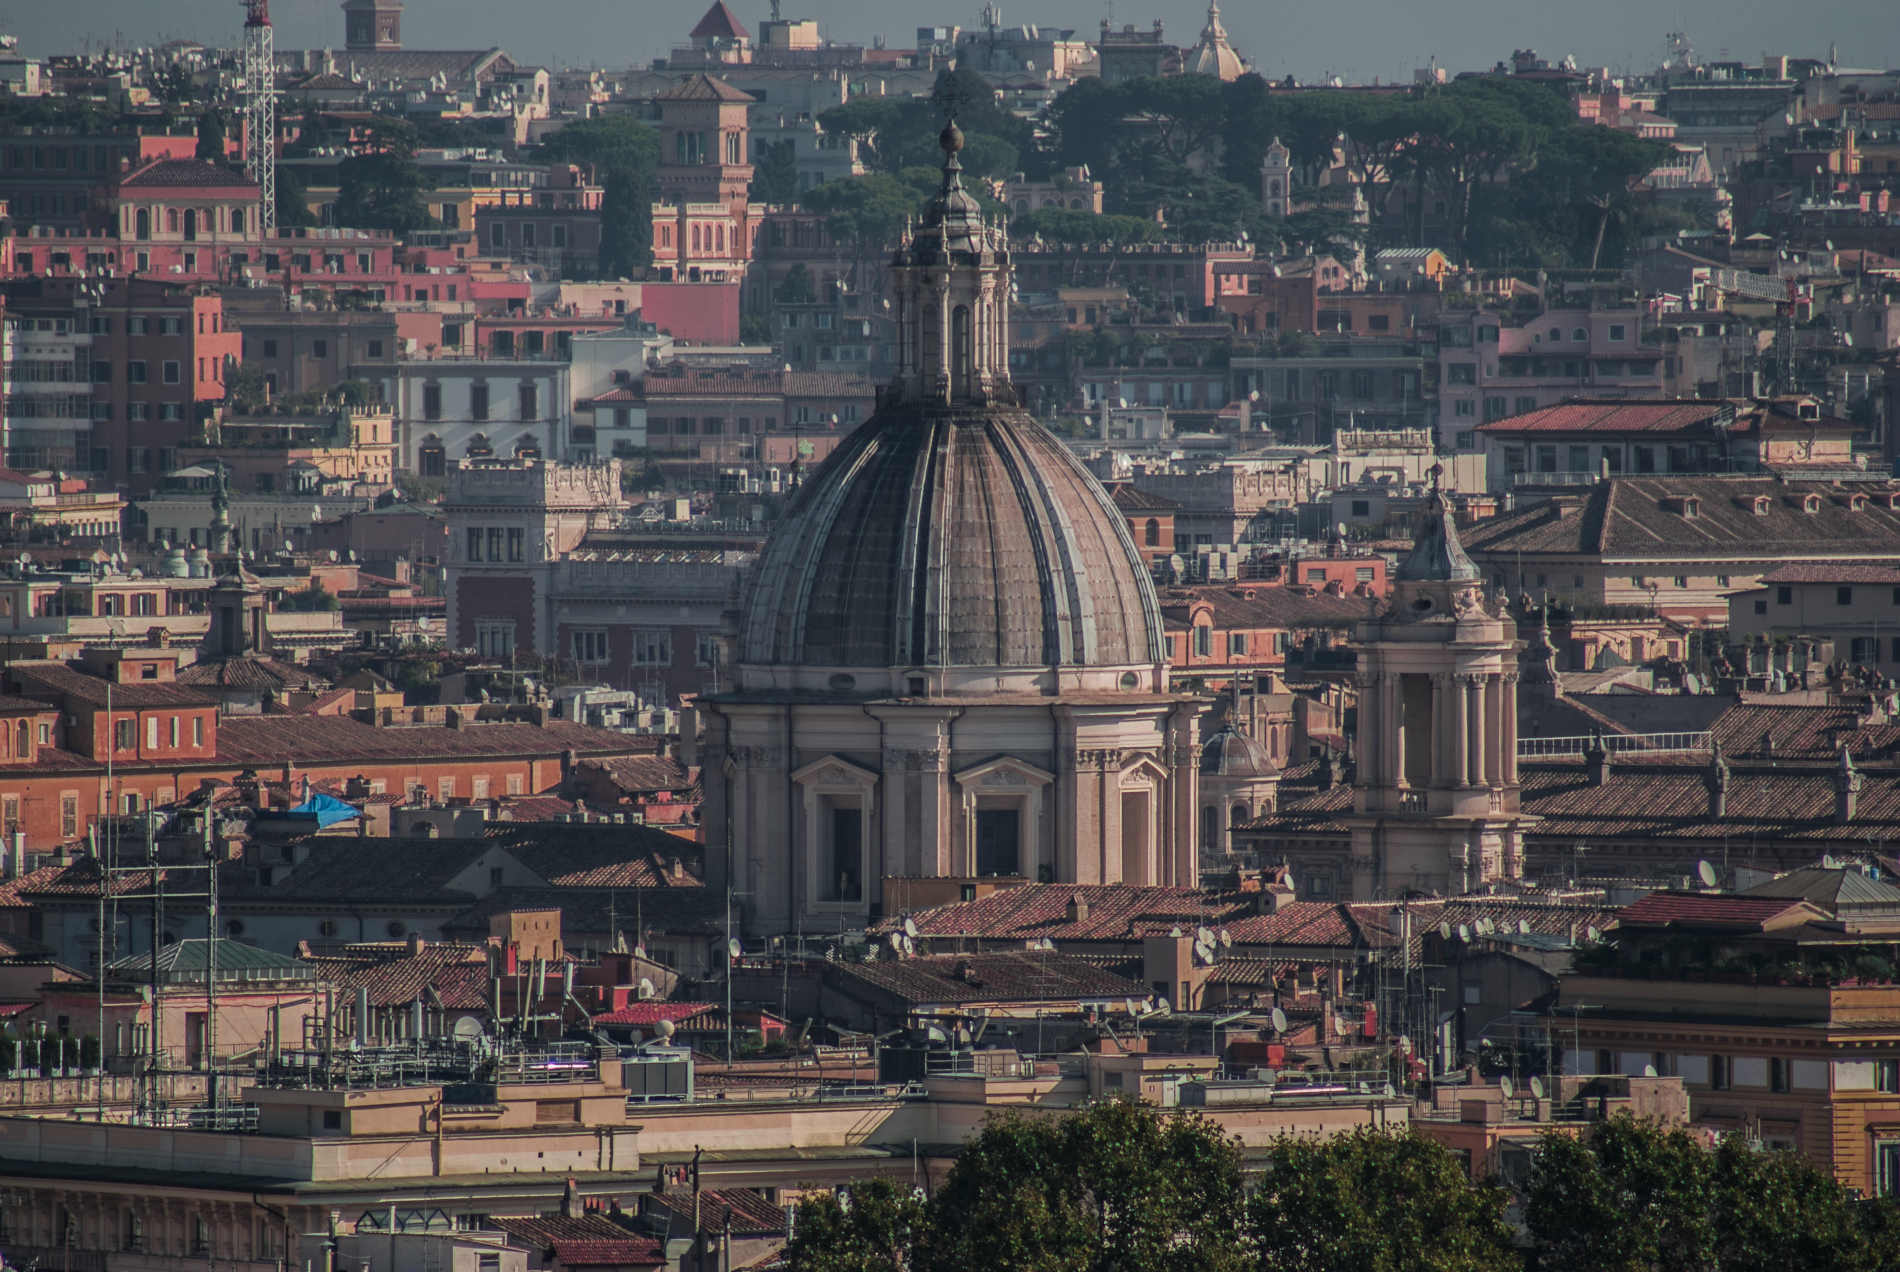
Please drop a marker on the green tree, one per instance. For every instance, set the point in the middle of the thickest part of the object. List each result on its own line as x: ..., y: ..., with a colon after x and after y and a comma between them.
x: 623, y: 155
x: 1116, y: 1187
x: 869, y: 1227
x: 1777, y: 1210
x: 1629, y: 1198
x: 1375, y: 1201
x: 293, y: 200
x: 625, y: 226
x: 867, y: 211
x: 795, y: 288
x: 381, y: 187
x: 378, y: 191
x: 314, y: 599
x: 775, y: 173
x: 211, y: 135
x: 246, y: 392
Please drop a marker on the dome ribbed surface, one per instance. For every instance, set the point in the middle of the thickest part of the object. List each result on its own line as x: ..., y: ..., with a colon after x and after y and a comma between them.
x: 951, y: 537
x: 1231, y: 753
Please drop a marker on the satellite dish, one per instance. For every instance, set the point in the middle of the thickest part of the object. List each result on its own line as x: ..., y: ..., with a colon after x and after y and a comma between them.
x: 1128, y: 1005
x: 1226, y: 939
x: 1505, y: 1086
x: 1341, y: 1025
x: 1706, y: 873
x: 1405, y: 1045
x: 1279, y: 1021
x: 1203, y: 936
x: 665, y: 1028
x: 1161, y: 1007
x: 1523, y: 927
x: 910, y: 927
x: 1590, y: 933
x: 467, y: 1029
x: 896, y: 940
x: 1444, y: 931
x: 646, y: 988
x: 910, y: 946
x: 1464, y: 932
x: 732, y: 948
x: 1537, y: 1087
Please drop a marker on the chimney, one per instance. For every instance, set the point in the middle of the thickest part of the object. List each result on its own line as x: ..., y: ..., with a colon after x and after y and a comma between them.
x: 570, y: 759
x: 1716, y: 780
x: 1077, y: 909
x: 1596, y: 760
x: 1847, y: 784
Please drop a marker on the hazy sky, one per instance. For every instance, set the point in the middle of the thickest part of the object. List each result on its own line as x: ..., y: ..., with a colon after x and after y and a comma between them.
x: 1358, y: 39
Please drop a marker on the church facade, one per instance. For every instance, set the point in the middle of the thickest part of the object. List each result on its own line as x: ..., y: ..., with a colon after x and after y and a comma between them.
x: 951, y: 660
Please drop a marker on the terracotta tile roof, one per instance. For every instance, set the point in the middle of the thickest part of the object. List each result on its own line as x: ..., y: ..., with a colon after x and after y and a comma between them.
x: 1751, y: 730
x: 1012, y: 976
x: 68, y: 681
x: 719, y: 24
x: 751, y: 1214
x: 590, y: 1240
x: 652, y: 1013
x: 12, y: 890
x: 532, y: 808
x: 254, y: 741
x: 1833, y: 572
x: 1702, y: 910
x: 1612, y: 417
x: 642, y: 774
x: 1638, y: 518
x: 178, y: 173
x: 1131, y: 498
x: 1115, y: 912
x: 457, y: 973
x: 246, y: 673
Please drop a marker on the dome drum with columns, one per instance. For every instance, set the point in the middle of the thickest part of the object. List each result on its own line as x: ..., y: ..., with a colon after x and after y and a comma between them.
x: 951, y: 659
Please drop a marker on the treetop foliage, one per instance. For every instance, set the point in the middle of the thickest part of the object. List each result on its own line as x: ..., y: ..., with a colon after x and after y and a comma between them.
x: 1121, y: 1186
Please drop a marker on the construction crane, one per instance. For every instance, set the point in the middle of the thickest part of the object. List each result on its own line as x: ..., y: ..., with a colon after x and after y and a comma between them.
x: 260, y: 112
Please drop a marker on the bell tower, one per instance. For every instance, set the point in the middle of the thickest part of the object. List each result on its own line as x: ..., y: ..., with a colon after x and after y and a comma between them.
x: 1436, y: 792
x: 1276, y: 179
x: 952, y: 293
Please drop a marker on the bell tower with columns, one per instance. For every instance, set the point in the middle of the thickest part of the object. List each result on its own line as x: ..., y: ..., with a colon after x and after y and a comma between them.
x: 1436, y: 792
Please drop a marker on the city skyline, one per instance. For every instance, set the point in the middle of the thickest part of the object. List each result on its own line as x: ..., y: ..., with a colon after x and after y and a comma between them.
x: 1358, y: 40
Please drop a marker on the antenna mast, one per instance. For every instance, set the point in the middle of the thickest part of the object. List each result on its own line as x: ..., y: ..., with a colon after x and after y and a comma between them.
x: 260, y: 112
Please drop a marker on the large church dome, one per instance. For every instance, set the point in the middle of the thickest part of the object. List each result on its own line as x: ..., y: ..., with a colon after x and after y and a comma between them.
x: 952, y: 533
x: 938, y: 537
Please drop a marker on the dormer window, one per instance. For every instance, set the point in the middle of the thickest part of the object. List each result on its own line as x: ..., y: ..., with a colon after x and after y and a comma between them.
x: 1811, y: 504
x: 1762, y: 504
x: 1857, y: 502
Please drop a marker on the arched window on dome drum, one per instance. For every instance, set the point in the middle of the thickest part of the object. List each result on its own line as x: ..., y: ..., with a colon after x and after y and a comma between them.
x: 1151, y: 533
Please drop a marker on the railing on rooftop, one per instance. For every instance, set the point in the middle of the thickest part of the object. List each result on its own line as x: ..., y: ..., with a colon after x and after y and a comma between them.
x: 1613, y: 744
x: 1557, y: 479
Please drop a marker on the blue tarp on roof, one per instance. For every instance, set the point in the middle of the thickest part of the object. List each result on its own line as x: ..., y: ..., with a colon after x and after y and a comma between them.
x: 327, y: 809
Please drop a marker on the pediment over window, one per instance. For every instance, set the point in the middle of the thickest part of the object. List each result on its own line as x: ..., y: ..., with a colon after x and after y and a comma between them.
x: 834, y: 770
x: 1004, y: 771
